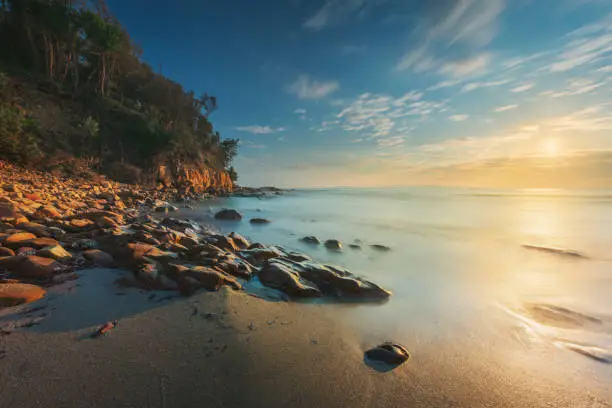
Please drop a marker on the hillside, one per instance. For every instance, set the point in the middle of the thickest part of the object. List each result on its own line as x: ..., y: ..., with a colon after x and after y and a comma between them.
x: 76, y: 97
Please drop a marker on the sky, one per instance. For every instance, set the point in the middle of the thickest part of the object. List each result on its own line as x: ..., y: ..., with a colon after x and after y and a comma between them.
x: 489, y: 93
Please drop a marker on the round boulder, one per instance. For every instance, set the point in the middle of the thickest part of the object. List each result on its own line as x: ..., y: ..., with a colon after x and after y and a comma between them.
x: 333, y: 244
x: 311, y: 240
x: 388, y: 353
x: 228, y: 214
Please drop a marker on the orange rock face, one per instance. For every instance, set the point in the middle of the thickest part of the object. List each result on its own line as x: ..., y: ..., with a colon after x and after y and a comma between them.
x: 12, y: 294
x: 195, y: 178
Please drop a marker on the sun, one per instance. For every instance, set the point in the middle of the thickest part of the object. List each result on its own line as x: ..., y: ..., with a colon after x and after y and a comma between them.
x: 550, y: 147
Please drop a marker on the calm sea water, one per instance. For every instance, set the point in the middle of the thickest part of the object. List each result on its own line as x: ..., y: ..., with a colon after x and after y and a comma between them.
x: 463, y: 284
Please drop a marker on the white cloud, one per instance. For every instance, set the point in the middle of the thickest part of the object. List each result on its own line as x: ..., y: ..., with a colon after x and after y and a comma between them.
x: 579, y: 86
x: 590, y: 119
x: 390, y: 142
x: 306, y: 88
x: 458, y: 118
x: 444, y: 84
x: 523, y: 87
x: 335, y: 11
x: 466, y: 67
x: 472, y: 86
x: 505, y: 108
x: 259, y: 130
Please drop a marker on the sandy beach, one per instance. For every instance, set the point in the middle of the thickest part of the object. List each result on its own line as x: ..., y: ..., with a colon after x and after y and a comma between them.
x: 228, y: 348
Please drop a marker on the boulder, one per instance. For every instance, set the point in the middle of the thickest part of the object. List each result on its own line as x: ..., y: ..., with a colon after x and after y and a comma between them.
x: 228, y: 214
x: 188, y: 285
x: 6, y: 252
x: 47, y: 211
x: 99, y: 258
x: 354, y: 246
x: 40, y: 243
x: 56, y: 252
x: 281, y: 277
x: 382, y: 248
x: 26, y: 250
x: 260, y: 221
x: 140, y: 250
x: 260, y: 255
x: 13, y: 294
x: 225, y: 243
x: 311, y: 240
x: 333, y: 244
x: 211, y: 279
x: 188, y: 242
x: 18, y: 239
x: 235, y: 266
x: 33, y: 266
x: 81, y: 223
x: 106, y: 222
x: 37, y: 229
x: 239, y: 240
x: 388, y: 353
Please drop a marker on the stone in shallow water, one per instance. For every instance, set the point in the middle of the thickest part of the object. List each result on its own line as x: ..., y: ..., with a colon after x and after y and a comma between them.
x: 260, y: 221
x: 281, y: 277
x: 12, y: 294
x: 354, y: 246
x: 333, y: 244
x: 99, y: 258
x: 239, y: 240
x: 388, y: 353
x: 228, y: 214
x: 311, y: 240
x: 382, y: 248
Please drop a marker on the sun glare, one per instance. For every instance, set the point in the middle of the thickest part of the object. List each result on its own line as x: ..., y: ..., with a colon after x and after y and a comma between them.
x: 550, y: 147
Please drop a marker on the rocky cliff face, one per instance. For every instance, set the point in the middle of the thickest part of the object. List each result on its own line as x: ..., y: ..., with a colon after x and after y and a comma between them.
x: 196, y: 178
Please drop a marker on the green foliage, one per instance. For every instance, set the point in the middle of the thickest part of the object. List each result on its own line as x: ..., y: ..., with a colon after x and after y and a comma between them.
x: 141, y: 116
x: 18, y: 136
x: 229, y: 150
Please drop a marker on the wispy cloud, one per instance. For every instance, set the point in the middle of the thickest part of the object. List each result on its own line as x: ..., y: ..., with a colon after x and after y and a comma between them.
x: 505, y: 108
x: 390, y: 142
x: 523, y: 88
x: 467, y: 66
x: 472, y: 86
x: 458, y: 118
x: 593, y: 118
x: 306, y: 88
x: 579, y: 86
x: 301, y: 113
x: 337, y: 11
x: 259, y: 130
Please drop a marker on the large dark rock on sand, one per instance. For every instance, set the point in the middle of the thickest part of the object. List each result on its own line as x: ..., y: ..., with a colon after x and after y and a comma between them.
x: 211, y: 279
x: 279, y: 276
x: 259, y: 255
x: 333, y: 244
x: 32, y: 266
x: 388, y: 353
x: 228, y: 214
x: 13, y: 294
x: 260, y: 221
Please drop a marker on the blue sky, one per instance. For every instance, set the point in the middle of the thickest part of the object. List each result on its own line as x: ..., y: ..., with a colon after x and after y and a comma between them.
x: 392, y: 92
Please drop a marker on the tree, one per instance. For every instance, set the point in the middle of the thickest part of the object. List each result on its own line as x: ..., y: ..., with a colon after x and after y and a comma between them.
x: 233, y: 174
x: 229, y: 150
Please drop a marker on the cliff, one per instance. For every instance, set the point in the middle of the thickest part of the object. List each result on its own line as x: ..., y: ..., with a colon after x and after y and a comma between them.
x: 194, y: 178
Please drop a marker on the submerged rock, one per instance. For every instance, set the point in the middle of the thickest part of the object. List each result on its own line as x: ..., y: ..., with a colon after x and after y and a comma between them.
x: 382, y: 248
x: 311, y: 240
x: 228, y: 214
x: 354, y: 246
x: 557, y: 251
x: 333, y: 244
x: 260, y: 221
x: 388, y: 353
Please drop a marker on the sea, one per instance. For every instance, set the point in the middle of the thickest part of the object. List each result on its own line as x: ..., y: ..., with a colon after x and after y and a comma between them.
x: 519, y: 278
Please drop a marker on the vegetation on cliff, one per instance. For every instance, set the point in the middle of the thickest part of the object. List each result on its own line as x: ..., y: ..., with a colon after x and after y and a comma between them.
x: 75, y: 94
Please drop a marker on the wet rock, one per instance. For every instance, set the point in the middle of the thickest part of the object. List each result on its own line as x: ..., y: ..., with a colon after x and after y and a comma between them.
x: 258, y: 256
x: 6, y: 252
x: 382, y: 248
x: 188, y: 285
x: 164, y: 208
x: 311, y: 240
x: 8, y: 211
x: 26, y: 251
x: 140, y: 250
x: 225, y: 243
x: 256, y: 245
x: 211, y: 279
x: 260, y: 221
x: 13, y: 294
x: 283, y: 278
x: 106, y: 222
x: 47, y: 211
x: 56, y: 252
x: 99, y: 258
x: 188, y: 242
x: 388, y: 353
x: 228, y: 214
x: 354, y: 246
x: 239, y: 240
x: 81, y: 223
x: 333, y: 244
x: 18, y: 239
x: 235, y: 266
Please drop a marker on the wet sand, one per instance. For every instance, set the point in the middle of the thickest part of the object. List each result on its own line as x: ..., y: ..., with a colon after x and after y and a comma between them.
x: 230, y: 349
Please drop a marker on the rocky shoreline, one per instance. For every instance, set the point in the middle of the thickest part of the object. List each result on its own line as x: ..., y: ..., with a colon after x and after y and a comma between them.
x: 51, y: 227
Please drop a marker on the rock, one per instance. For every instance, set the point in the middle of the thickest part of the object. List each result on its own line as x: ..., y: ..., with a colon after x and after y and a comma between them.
x: 382, y: 248
x: 228, y: 214
x: 235, y: 266
x: 388, y: 353
x: 19, y: 239
x: 188, y: 242
x: 47, y: 211
x: 97, y: 215
x: 40, y: 243
x: 239, y: 240
x: 140, y: 250
x: 258, y: 256
x: 164, y: 208
x: 26, y: 251
x: 354, y: 246
x: 11, y: 188
x: 311, y: 240
x: 6, y: 252
x: 225, y: 243
x: 37, y: 229
x: 281, y: 277
x: 99, y: 258
x: 260, y: 221
x: 211, y: 279
x: 81, y: 223
x: 33, y: 266
x: 13, y: 294
x: 32, y: 197
x: 188, y: 285
x: 333, y: 244
x: 56, y: 252
x: 256, y: 245
x: 106, y: 222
